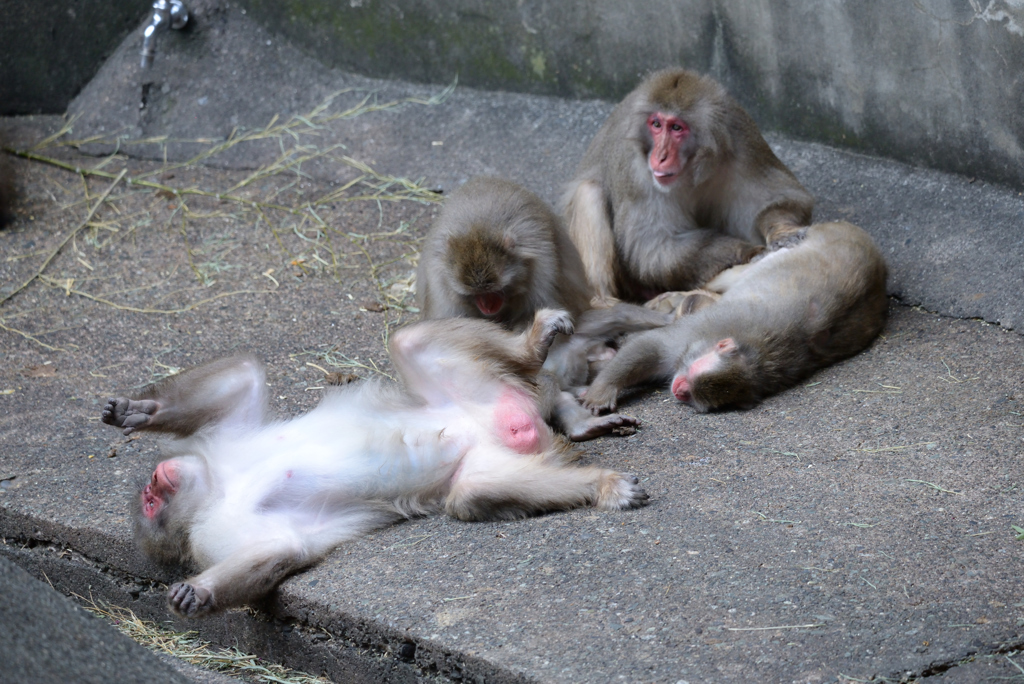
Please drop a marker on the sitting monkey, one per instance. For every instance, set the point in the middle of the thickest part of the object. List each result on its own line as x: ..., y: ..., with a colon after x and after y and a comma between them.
x: 250, y: 500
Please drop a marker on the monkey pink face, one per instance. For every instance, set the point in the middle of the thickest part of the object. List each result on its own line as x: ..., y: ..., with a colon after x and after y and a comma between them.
x: 681, y: 388
x: 161, y: 488
x: 668, y: 134
x: 682, y: 383
x: 490, y: 303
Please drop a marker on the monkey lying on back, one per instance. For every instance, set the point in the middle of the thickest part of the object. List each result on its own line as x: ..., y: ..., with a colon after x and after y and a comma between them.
x: 250, y: 501
x: 796, y: 309
x: 498, y: 252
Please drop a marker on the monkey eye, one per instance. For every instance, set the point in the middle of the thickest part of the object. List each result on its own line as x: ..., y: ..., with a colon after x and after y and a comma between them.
x: 676, y: 127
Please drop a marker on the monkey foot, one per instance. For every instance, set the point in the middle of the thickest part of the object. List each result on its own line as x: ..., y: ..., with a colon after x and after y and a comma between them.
x: 340, y: 378
x: 128, y: 414
x: 619, y: 492
x: 189, y: 601
x: 683, y: 303
x: 666, y: 302
x: 613, y: 423
x: 557, y: 321
x: 603, y: 301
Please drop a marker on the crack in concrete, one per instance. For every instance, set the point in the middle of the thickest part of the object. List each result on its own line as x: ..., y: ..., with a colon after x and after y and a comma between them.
x: 389, y: 657
x: 938, y: 669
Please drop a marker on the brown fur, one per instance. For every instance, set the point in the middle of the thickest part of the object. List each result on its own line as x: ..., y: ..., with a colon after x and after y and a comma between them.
x: 494, y: 236
x: 733, y: 194
x: 794, y: 311
x: 479, y: 259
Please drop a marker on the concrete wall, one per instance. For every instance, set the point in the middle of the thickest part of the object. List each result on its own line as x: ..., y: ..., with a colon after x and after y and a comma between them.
x: 938, y: 83
x: 49, y: 49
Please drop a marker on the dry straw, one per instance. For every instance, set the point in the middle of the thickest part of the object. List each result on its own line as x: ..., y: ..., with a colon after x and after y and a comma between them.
x: 187, y: 646
x: 267, y: 199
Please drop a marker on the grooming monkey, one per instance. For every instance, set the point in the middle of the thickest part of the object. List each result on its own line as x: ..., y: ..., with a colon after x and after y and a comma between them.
x: 792, y: 311
x: 250, y: 500
x: 677, y: 186
x: 498, y: 252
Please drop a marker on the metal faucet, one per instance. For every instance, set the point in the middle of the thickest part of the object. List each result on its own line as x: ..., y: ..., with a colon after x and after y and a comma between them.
x: 166, y: 14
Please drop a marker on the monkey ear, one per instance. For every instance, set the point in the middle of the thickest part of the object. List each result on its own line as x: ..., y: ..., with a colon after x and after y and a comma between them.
x: 509, y: 243
x: 726, y: 347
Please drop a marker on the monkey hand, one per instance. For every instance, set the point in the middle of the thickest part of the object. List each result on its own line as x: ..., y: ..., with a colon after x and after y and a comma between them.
x: 131, y: 415
x: 599, y: 399
x: 620, y: 492
x: 190, y: 601
x: 785, y: 235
